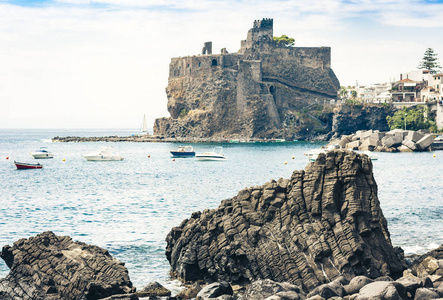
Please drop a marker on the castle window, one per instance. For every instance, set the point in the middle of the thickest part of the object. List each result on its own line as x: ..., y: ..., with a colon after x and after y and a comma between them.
x: 187, y: 66
x: 199, y: 64
x: 214, y: 62
x: 272, y: 89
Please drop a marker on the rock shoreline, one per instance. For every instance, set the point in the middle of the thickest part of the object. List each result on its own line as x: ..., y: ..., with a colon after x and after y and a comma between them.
x: 319, y: 235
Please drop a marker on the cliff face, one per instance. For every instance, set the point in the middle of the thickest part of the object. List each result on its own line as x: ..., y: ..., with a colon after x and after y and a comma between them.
x: 350, y: 119
x: 323, y: 223
x: 246, y: 94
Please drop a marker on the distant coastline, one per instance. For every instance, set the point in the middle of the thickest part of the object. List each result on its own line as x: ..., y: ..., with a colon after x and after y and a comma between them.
x: 157, y: 139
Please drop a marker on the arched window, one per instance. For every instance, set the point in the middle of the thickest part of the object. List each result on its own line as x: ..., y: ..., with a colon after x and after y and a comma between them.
x: 272, y: 89
x: 214, y: 62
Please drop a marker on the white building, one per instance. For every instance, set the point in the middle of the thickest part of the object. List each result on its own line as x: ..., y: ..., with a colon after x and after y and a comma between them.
x: 419, y: 76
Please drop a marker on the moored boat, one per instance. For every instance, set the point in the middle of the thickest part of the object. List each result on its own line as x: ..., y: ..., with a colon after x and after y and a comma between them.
x: 313, y: 154
x: 42, y: 153
x: 183, y: 151
x: 24, y: 166
x: 105, y: 154
x: 216, y: 154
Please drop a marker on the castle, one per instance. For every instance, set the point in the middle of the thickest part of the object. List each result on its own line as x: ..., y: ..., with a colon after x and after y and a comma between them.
x: 252, y: 93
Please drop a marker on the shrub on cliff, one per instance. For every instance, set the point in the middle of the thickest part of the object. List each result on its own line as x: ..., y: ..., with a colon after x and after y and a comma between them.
x: 411, y: 119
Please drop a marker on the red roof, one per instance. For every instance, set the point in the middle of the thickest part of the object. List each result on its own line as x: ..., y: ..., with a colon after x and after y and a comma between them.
x: 406, y: 80
x: 439, y: 74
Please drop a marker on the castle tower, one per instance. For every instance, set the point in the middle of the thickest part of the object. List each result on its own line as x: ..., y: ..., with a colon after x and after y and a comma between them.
x: 261, y: 32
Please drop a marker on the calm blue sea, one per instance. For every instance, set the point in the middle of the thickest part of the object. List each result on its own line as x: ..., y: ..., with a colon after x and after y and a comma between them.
x: 128, y: 207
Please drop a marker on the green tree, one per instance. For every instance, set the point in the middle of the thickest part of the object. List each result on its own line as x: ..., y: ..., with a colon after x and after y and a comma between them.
x: 430, y: 61
x: 284, y: 40
x: 354, y: 95
x: 343, y: 93
x: 412, y: 118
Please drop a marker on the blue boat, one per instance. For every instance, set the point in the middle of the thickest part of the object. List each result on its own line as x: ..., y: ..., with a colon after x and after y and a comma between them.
x: 183, y: 151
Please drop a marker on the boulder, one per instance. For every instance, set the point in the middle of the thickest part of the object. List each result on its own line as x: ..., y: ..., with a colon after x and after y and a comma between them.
x: 377, y: 136
x: 353, y: 145
x: 323, y: 223
x: 51, y: 266
x: 189, y: 293
x: 357, y: 283
x: 215, y: 290
x: 425, y: 294
x: 398, y: 132
x: 391, y: 141
x: 263, y: 289
x: 414, y: 136
x: 386, y: 290
x: 368, y: 144
x: 154, y: 289
x: 410, y: 144
x: 404, y: 148
x: 344, y: 141
x: 425, y: 142
x: 366, y: 134
x: 411, y: 284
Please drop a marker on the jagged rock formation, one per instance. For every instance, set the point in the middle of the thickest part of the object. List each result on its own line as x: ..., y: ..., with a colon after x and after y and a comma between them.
x: 254, y: 93
x: 48, y: 266
x: 322, y: 223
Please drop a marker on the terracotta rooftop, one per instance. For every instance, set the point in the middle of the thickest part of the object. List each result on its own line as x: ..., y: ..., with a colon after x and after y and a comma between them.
x: 439, y: 74
x: 406, y: 80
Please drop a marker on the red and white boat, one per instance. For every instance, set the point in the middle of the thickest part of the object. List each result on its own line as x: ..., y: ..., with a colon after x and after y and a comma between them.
x: 22, y: 166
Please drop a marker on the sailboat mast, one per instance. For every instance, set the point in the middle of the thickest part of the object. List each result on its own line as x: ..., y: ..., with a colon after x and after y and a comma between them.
x: 144, y: 127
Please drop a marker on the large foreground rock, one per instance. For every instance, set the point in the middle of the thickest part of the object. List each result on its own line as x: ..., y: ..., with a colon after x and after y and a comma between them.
x: 324, y: 222
x: 48, y: 266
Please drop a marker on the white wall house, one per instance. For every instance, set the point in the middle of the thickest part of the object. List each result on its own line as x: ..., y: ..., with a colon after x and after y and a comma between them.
x: 418, y: 75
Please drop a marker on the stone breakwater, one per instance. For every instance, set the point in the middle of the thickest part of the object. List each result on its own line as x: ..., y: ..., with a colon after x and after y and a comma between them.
x: 322, y: 223
x: 397, y: 140
x: 151, y: 139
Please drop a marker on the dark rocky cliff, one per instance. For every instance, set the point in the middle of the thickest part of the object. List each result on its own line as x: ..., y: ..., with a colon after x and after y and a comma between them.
x: 254, y: 93
x: 322, y: 223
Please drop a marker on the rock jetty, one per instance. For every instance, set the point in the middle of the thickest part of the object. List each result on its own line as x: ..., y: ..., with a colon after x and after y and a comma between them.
x: 322, y: 224
x: 392, y: 141
x: 48, y: 266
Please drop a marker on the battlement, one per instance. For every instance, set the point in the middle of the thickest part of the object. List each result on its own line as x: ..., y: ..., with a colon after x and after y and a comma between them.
x: 264, y: 24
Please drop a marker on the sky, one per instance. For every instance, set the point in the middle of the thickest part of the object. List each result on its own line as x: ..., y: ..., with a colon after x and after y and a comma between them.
x: 105, y: 63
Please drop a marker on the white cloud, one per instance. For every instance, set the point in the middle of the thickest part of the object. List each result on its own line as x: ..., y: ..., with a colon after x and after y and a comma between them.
x: 74, y: 64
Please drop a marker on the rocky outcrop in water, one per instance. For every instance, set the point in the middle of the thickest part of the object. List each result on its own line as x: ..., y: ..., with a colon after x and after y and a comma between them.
x: 308, y: 230
x: 48, y: 266
x: 257, y: 92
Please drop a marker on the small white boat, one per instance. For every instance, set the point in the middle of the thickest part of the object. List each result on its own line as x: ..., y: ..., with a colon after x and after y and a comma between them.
x: 105, y: 154
x: 42, y: 153
x: 183, y: 151
x: 312, y: 155
x: 216, y: 154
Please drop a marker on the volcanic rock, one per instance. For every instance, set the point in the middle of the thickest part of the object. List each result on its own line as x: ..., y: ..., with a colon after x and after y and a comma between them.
x: 48, y: 266
x: 322, y: 223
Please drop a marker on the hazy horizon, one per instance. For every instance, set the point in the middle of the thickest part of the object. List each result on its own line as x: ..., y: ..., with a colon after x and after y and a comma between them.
x: 105, y: 63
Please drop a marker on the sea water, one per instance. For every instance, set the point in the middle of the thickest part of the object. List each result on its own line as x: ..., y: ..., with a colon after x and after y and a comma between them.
x: 129, y: 206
